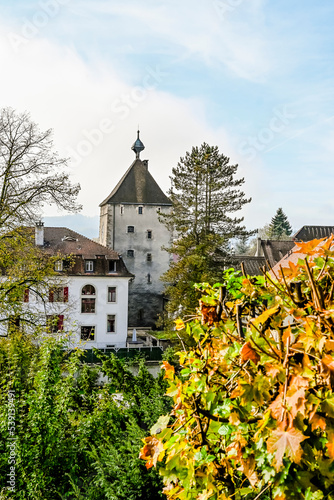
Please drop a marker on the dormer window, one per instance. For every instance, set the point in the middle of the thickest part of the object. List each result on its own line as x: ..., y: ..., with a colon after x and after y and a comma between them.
x: 59, y: 266
x: 89, y: 266
x: 140, y: 210
x: 112, y: 266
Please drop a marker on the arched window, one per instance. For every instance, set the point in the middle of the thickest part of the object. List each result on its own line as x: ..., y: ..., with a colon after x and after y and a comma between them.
x: 88, y: 299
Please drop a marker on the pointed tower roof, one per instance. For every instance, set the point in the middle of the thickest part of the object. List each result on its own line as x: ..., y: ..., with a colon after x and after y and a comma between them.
x: 137, y: 184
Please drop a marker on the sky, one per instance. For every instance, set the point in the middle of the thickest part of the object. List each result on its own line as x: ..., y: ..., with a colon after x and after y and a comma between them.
x: 254, y: 77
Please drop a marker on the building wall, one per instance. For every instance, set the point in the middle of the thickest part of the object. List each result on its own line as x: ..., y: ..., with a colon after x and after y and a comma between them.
x: 74, y: 318
x: 146, y: 289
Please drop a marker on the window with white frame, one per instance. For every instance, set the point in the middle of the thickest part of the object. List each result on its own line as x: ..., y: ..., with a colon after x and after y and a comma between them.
x: 59, y: 265
x: 88, y: 333
x: 149, y: 257
x: 149, y: 234
x: 131, y: 229
x: 89, y: 266
x: 88, y: 297
x: 111, y: 323
x: 111, y: 294
x: 140, y: 210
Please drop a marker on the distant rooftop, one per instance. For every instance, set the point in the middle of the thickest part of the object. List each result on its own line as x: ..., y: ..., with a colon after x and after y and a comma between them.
x: 308, y: 233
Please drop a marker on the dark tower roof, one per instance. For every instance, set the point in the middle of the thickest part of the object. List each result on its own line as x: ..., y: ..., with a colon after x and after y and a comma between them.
x: 137, y: 184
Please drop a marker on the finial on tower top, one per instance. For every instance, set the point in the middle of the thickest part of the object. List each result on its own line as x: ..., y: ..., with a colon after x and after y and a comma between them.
x: 137, y: 146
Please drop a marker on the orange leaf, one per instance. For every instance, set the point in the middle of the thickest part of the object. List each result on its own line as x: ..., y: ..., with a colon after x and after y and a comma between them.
x: 328, y: 362
x: 330, y: 446
x: 152, y: 451
x: 330, y: 345
x: 276, y: 406
x: 209, y: 314
x: 318, y: 422
x: 272, y: 370
x: 309, y: 247
x: 248, y: 352
x: 285, y: 443
x: 170, y: 370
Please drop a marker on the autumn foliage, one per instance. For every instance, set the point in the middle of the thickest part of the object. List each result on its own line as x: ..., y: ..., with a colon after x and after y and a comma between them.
x: 253, y: 412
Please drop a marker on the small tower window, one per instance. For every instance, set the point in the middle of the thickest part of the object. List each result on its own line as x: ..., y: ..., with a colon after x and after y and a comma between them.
x: 140, y: 210
x: 149, y: 257
x: 130, y: 253
x: 149, y: 278
x: 131, y: 229
x: 121, y: 209
x: 149, y: 234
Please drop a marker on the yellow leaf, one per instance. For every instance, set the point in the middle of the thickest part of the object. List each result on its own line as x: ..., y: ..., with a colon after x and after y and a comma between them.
x: 265, y: 315
x: 179, y: 325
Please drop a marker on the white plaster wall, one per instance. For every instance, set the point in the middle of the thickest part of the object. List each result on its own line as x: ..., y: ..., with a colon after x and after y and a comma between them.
x: 74, y: 319
x: 141, y: 245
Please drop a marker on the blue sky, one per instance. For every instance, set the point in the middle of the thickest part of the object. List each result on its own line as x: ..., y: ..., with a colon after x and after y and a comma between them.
x: 254, y: 77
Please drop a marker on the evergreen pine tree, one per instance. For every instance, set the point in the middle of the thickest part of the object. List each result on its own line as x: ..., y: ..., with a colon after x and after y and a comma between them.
x: 279, y: 226
x: 205, y: 196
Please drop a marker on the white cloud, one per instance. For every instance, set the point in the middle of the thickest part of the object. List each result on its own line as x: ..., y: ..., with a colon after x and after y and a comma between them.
x: 75, y: 98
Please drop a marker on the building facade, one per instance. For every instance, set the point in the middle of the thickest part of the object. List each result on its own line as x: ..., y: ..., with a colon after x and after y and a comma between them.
x: 129, y: 224
x: 87, y: 299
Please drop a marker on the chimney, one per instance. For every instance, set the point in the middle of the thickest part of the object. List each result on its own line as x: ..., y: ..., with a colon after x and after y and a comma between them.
x: 39, y: 234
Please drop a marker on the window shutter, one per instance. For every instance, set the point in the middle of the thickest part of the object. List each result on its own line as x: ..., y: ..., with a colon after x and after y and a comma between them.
x: 60, y: 324
x: 65, y: 293
x: 50, y: 295
x: 26, y: 295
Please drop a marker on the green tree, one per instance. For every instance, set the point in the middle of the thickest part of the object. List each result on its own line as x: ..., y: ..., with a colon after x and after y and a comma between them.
x: 254, y: 400
x: 242, y: 246
x: 205, y: 196
x: 279, y: 227
x: 73, y: 437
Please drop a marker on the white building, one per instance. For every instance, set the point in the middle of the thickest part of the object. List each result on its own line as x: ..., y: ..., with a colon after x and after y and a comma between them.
x: 90, y: 299
x: 129, y: 224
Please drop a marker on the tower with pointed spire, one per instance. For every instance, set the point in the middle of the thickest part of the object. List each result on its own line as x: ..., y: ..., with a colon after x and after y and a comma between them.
x: 129, y: 224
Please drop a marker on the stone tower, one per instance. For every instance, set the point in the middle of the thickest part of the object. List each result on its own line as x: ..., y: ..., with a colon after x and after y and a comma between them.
x: 130, y: 225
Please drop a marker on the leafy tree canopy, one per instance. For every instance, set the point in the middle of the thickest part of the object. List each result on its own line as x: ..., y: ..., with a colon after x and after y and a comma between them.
x: 205, y: 196
x: 73, y: 437
x: 253, y: 409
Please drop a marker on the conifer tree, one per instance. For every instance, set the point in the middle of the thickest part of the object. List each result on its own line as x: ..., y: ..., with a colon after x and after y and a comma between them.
x: 279, y: 226
x: 205, y: 196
